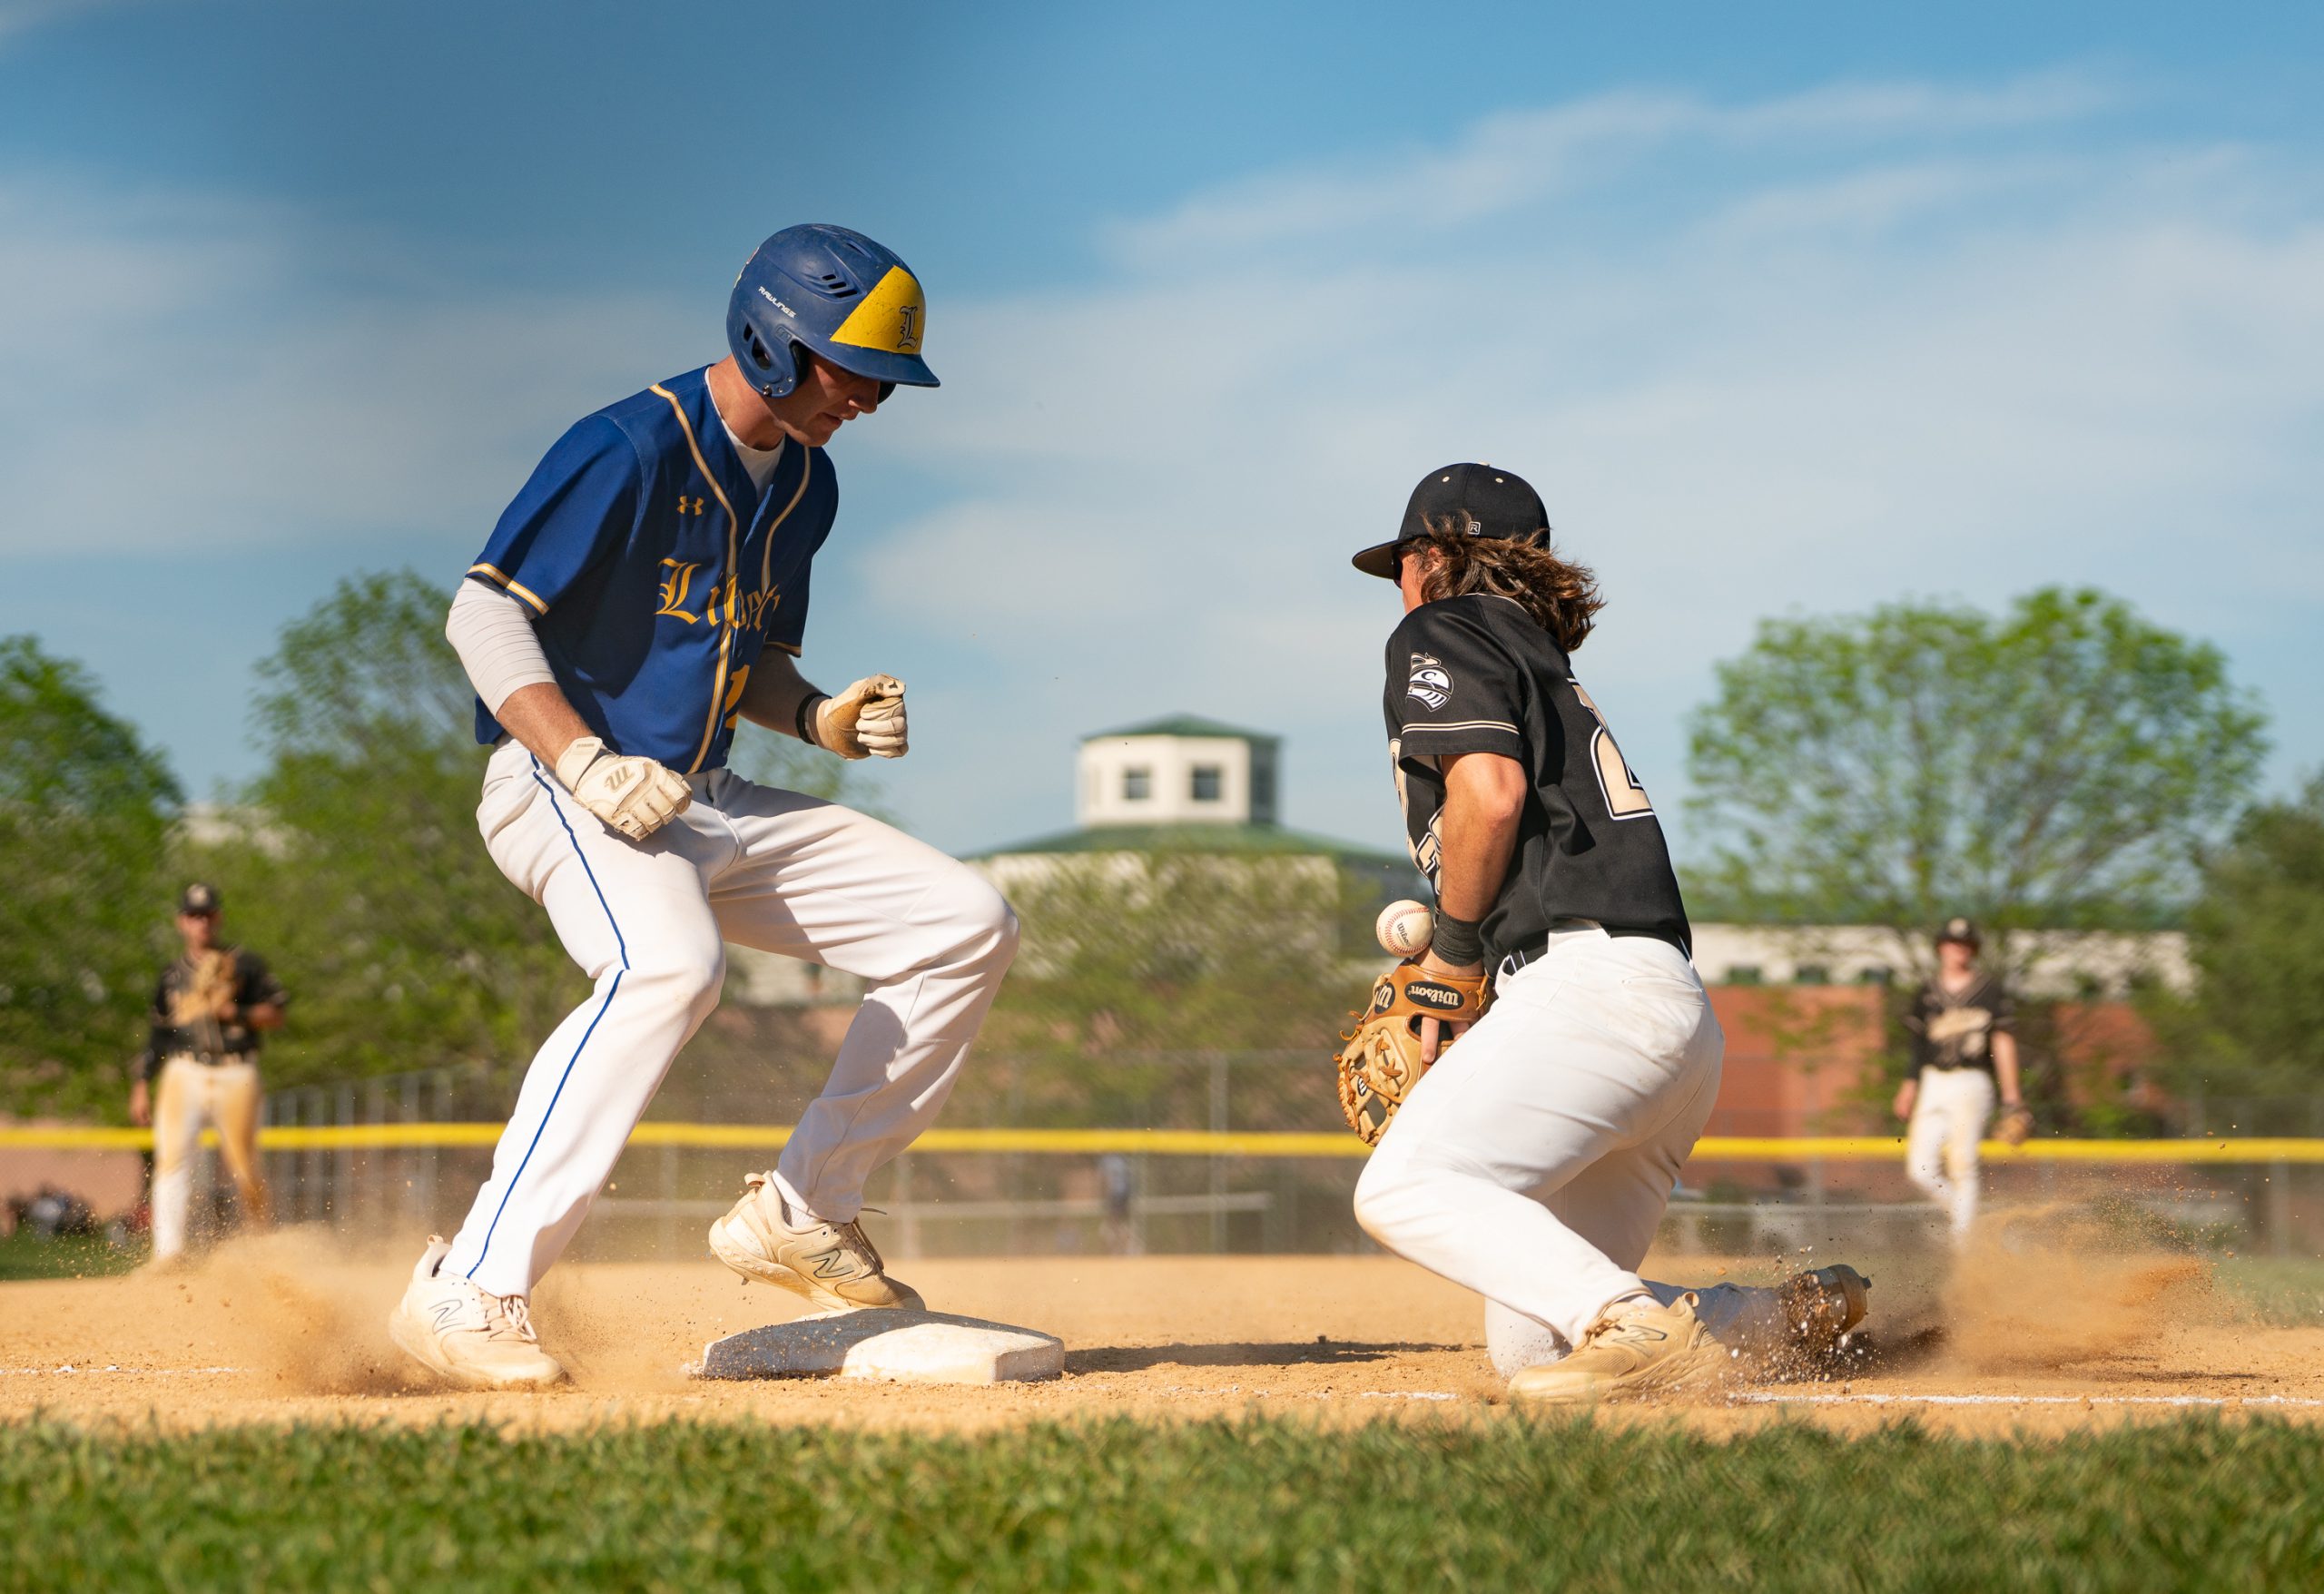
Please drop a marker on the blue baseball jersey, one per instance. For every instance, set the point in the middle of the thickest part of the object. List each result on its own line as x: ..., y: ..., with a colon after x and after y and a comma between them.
x: 656, y: 570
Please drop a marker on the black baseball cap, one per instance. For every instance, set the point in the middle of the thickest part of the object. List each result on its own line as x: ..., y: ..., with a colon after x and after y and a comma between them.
x: 198, y: 897
x: 1497, y: 503
x: 1957, y: 929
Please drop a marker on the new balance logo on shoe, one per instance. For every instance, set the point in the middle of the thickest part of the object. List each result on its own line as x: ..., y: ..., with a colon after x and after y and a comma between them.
x: 444, y: 1312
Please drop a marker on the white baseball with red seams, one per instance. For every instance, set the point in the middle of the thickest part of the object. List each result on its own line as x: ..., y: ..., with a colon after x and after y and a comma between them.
x: 1405, y: 928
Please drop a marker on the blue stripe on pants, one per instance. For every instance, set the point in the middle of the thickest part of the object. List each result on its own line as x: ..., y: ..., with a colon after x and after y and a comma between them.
x: 623, y: 947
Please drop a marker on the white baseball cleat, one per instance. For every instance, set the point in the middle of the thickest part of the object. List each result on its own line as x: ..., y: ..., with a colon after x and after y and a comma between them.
x: 1647, y: 1349
x: 462, y: 1331
x: 831, y: 1264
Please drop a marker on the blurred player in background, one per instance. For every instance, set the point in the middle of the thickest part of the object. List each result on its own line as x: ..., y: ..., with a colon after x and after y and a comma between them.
x: 1532, y: 1162
x: 211, y: 1008
x: 1965, y: 1049
x: 646, y: 593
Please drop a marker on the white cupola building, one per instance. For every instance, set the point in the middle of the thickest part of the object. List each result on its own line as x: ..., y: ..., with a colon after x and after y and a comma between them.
x: 1178, y: 770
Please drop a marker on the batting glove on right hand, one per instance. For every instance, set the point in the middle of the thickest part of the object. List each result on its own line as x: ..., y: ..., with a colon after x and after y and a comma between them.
x: 866, y: 721
x: 635, y: 796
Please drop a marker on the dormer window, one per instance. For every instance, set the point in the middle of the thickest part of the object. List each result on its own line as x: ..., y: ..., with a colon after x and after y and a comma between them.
x: 1208, y: 783
x: 1138, y: 784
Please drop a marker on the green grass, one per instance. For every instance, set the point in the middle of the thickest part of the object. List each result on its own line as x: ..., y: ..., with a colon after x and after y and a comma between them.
x: 76, y: 1256
x: 1255, y: 1505
x: 2287, y: 1293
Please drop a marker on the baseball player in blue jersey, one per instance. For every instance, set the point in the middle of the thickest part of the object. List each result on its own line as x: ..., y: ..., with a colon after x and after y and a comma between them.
x: 645, y: 592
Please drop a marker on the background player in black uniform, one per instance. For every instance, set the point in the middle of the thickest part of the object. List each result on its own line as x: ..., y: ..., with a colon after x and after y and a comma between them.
x: 211, y: 1008
x: 1532, y: 1162
x: 1964, y: 1049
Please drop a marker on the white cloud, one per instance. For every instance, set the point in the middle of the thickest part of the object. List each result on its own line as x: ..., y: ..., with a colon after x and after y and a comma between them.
x: 199, y: 371
x: 1832, y: 355
x: 1804, y: 354
x: 1507, y: 161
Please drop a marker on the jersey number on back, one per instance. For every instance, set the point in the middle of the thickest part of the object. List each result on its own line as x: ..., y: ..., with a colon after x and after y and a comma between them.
x: 1625, y: 798
x: 1428, y: 852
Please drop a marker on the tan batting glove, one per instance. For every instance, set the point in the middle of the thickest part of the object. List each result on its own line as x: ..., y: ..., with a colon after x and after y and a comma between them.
x: 635, y: 796
x: 866, y: 721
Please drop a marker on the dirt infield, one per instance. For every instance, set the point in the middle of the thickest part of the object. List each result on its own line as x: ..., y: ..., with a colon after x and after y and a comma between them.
x: 287, y: 1328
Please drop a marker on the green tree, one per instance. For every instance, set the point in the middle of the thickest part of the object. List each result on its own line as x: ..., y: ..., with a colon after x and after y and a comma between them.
x: 2057, y: 765
x: 85, y: 812
x: 2254, y: 1024
x: 355, y: 864
x: 1131, y: 955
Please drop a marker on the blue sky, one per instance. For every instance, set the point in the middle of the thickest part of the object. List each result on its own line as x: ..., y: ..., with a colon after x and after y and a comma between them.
x: 1785, y: 308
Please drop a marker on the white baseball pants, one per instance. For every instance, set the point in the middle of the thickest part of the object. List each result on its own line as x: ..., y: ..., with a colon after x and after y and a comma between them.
x: 189, y: 1094
x: 1949, y: 1117
x: 763, y: 868
x: 1534, y: 1162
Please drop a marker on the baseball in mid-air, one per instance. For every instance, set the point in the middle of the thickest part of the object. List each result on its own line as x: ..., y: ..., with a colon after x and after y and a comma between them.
x: 1405, y: 929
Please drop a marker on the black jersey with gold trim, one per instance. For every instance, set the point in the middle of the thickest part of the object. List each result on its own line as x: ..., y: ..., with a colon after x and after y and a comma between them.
x: 1955, y: 1029
x: 1476, y: 675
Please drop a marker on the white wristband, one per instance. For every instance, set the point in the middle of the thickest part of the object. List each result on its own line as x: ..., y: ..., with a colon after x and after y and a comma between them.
x: 575, y: 760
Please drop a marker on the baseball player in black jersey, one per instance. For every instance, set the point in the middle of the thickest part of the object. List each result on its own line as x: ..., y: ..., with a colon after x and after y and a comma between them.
x: 1963, y: 1026
x: 211, y: 1008
x: 1533, y: 1161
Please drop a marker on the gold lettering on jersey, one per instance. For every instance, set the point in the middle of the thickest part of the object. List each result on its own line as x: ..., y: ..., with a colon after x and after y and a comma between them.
x: 755, y: 607
x: 728, y: 605
x: 734, y: 704
x: 673, y: 590
x: 1625, y: 795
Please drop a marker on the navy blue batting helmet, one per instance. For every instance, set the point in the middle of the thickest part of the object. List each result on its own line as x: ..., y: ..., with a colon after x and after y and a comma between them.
x: 836, y: 293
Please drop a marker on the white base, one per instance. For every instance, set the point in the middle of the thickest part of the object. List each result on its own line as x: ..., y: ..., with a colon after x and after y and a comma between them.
x: 907, y: 1347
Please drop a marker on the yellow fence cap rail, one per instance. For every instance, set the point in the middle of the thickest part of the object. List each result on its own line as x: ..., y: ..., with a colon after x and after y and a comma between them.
x: 1874, y: 1149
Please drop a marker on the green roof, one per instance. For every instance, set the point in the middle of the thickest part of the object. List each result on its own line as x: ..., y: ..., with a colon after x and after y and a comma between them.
x: 1256, y: 839
x: 1183, y: 725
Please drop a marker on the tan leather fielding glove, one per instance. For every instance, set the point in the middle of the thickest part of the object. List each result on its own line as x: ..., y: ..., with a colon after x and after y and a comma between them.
x: 1381, y: 1061
x: 866, y: 721
x: 2016, y: 1124
x: 635, y: 796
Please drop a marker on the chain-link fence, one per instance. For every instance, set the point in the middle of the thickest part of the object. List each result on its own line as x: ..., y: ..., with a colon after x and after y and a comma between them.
x: 663, y: 1195
x: 403, y: 1156
x: 663, y: 1192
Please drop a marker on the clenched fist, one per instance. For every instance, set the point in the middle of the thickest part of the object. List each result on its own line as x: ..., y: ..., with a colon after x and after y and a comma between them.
x: 866, y: 721
x: 635, y: 796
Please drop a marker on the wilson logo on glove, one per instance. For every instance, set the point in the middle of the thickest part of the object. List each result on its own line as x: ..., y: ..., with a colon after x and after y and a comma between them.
x: 1382, y: 1061
x: 1437, y: 995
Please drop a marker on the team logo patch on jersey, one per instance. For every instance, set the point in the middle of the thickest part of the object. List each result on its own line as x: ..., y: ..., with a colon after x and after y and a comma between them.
x: 1430, y: 682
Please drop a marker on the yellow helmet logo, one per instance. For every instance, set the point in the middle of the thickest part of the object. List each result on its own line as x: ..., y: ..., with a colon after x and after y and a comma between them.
x: 893, y: 318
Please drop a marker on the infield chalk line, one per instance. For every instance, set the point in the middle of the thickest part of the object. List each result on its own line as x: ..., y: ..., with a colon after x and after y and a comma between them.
x: 1772, y: 1399
x: 1314, y: 1394
x: 69, y: 1371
